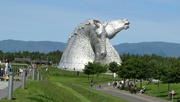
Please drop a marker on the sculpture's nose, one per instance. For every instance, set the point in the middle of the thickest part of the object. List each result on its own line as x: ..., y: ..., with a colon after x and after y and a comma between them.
x: 127, y: 23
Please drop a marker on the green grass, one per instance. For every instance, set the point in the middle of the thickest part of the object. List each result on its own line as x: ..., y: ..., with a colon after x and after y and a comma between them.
x: 152, y: 89
x: 62, y: 86
x: 161, y: 92
x: 66, y: 86
x: 42, y: 92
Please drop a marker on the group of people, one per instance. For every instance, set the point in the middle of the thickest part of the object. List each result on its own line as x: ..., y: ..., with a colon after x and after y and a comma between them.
x: 132, y: 87
x: 20, y: 71
x: 7, y: 68
x: 92, y: 82
x: 119, y: 84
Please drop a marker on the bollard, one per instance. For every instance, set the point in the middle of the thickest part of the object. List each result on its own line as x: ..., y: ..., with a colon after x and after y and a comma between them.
x: 38, y: 76
x: 33, y: 73
x: 46, y: 79
x: 24, y: 79
x: 41, y: 78
x: 10, y: 86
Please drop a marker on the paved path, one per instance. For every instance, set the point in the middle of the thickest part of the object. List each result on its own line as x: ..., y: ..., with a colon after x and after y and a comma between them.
x: 4, y: 86
x: 126, y: 95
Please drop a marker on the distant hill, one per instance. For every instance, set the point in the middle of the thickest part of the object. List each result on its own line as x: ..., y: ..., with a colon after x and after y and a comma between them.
x: 31, y: 46
x: 164, y: 49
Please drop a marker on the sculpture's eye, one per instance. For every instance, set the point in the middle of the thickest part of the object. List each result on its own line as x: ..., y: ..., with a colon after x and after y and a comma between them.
x: 99, y: 35
x: 98, y: 32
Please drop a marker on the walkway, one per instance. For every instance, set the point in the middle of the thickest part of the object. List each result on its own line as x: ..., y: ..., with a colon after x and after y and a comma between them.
x: 4, y: 86
x: 126, y: 95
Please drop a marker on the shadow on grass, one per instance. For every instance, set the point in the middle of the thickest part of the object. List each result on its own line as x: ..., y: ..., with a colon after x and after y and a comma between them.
x: 46, y: 98
x: 163, y: 92
x: 13, y: 98
x: 162, y: 95
x: 35, y: 99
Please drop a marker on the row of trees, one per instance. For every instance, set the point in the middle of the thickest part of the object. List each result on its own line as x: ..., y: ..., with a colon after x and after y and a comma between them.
x: 51, y: 56
x: 166, y: 69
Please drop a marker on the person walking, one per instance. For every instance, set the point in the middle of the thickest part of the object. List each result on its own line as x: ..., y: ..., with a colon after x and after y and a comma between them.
x: 99, y: 84
x: 91, y: 82
x: 46, y: 70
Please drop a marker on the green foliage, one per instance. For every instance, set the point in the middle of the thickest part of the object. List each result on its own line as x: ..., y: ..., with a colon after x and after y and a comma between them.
x: 51, y: 56
x: 100, y: 68
x: 90, y: 69
x: 157, y: 67
x: 133, y: 68
x: 94, y: 68
x: 172, y: 75
x: 113, y: 67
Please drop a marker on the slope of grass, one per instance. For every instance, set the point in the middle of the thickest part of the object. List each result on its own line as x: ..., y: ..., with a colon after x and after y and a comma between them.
x: 41, y: 92
x: 61, y: 86
x: 80, y: 84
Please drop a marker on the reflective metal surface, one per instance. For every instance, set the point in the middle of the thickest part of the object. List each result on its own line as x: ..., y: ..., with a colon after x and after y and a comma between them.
x: 90, y: 43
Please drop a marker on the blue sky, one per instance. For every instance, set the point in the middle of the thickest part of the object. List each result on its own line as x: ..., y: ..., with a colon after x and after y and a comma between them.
x: 55, y: 20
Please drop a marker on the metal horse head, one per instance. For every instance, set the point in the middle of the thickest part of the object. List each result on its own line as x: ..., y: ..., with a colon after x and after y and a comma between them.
x: 98, y: 41
x: 89, y: 42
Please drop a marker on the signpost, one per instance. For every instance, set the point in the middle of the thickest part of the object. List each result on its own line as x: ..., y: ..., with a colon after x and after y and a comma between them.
x: 172, y: 92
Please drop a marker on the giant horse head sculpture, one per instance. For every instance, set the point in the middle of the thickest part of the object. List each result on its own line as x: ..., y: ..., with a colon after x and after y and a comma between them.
x: 98, y: 41
x: 90, y: 43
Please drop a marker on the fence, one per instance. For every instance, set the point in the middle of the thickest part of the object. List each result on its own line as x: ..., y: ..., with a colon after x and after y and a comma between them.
x: 20, y: 67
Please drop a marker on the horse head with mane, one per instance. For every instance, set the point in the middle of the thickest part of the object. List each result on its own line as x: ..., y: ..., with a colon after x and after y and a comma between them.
x: 90, y: 43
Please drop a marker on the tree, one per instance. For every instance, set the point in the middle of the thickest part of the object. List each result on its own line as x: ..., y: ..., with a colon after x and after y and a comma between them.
x: 94, y: 68
x: 89, y: 69
x: 171, y: 75
x: 133, y: 68
x: 158, y: 73
x: 113, y: 67
x: 100, y: 68
x: 123, y: 71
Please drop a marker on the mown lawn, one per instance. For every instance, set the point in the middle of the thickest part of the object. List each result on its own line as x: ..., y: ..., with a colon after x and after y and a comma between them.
x: 161, y: 91
x: 67, y: 86
x: 62, y: 86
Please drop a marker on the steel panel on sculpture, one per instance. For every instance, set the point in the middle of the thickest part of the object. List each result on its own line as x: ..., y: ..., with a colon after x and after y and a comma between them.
x: 90, y: 43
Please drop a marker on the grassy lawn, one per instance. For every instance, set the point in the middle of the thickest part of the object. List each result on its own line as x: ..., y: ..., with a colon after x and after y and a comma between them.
x: 62, y: 86
x: 152, y: 89
x: 67, y: 86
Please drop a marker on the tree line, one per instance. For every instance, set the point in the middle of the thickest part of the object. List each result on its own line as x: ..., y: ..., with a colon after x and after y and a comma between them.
x: 53, y: 56
x: 166, y: 69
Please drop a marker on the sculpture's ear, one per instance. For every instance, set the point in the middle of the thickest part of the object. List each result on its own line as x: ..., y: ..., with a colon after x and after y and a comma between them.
x: 99, y: 28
